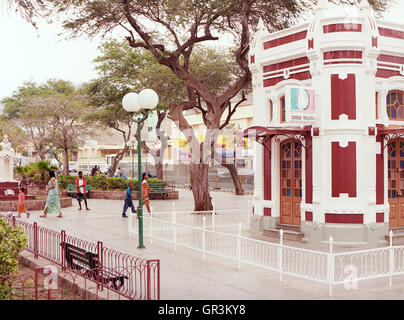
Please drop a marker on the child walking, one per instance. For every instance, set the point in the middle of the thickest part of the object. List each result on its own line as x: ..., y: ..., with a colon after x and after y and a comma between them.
x: 21, y: 203
x: 128, y: 201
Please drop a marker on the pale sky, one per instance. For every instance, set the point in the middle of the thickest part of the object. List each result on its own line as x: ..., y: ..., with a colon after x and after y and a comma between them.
x: 27, y: 54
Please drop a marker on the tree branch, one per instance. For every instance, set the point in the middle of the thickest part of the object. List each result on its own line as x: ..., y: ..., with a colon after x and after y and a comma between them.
x: 231, y: 112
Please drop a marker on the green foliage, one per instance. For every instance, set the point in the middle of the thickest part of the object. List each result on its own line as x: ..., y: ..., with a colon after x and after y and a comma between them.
x: 100, y: 17
x: 37, y: 170
x: 49, y: 113
x: 63, y: 181
x: 122, y: 69
x: 20, y: 171
x: 102, y: 182
x: 117, y: 183
x: 12, y: 241
x: 16, y: 135
x: 28, y: 9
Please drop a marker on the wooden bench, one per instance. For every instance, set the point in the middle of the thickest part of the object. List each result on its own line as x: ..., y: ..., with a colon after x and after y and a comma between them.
x: 159, y: 188
x: 80, y: 259
x: 71, y: 190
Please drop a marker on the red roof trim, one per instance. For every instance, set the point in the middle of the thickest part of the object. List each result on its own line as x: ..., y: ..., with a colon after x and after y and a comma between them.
x: 386, y: 32
x: 285, y: 40
x: 273, y: 131
x: 387, y: 130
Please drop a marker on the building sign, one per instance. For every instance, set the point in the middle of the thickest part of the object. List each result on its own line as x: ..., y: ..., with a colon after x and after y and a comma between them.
x: 300, y: 104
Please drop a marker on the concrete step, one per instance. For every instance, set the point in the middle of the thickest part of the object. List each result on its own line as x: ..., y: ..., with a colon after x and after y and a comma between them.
x: 398, y: 238
x: 397, y: 230
x: 290, y: 235
x: 290, y: 227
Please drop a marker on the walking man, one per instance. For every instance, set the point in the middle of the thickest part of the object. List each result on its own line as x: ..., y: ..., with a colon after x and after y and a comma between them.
x: 128, y: 201
x: 81, y: 189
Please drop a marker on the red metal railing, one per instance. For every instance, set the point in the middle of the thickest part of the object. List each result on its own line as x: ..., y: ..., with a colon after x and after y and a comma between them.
x: 121, y: 273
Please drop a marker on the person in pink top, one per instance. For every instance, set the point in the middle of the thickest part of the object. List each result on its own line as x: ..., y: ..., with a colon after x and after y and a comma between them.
x: 145, y: 191
x: 21, y: 203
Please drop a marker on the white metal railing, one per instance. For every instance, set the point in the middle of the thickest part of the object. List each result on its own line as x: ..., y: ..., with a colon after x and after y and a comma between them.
x: 303, y: 263
x: 368, y: 264
x: 225, y: 220
x: 325, y: 267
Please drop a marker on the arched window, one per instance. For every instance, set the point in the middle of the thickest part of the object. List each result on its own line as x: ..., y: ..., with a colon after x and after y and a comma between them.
x: 283, y: 108
x: 395, y: 106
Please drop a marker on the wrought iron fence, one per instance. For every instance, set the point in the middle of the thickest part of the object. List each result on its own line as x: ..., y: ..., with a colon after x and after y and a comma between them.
x: 124, y: 275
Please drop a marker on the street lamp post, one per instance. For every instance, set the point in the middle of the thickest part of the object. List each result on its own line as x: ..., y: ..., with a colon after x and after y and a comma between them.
x: 132, y: 102
x: 133, y: 158
x: 131, y: 145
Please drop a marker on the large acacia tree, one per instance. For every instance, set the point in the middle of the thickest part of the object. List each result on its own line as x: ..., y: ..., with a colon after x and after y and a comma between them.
x: 50, y: 113
x: 186, y: 24
x: 122, y: 69
x: 18, y: 111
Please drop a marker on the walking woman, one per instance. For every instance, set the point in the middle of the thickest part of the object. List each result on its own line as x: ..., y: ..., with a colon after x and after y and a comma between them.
x: 145, y: 191
x: 52, y: 202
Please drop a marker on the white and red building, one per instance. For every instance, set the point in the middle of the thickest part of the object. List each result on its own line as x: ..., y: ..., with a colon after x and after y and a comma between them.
x: 328, y: 101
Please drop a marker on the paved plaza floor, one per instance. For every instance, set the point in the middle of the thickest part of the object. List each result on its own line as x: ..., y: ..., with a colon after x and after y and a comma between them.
x: 186, y: 276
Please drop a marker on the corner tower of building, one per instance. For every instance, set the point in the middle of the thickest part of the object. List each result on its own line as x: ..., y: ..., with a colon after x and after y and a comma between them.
x: 329, y: 116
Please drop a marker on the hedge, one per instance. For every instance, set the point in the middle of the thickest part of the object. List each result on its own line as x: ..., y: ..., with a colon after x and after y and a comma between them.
x: 103, y: 182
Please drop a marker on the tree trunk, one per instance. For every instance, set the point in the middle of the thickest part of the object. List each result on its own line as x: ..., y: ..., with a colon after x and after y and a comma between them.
x: 238, y: 188
x: 159, y: 171
x: 112, y: 170
x: 57, y: 159
x: 41, y: 155
x: 200, y: 187
x: 118, y: 158
x: 66, y: 162
x: 158, y: 161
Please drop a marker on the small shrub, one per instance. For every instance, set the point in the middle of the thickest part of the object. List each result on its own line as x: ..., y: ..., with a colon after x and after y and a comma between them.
x: 102, y: 182
x: 63, y: 181
x: 12, y: 241
x: 116, y: 183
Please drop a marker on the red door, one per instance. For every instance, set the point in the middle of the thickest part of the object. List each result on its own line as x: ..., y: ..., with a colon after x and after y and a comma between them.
x: 396, y: 183
x: 291, y: 182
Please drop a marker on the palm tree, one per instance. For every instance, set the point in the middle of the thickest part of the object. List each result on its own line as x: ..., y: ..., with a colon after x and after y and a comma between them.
x: 20, y: 171
x: 42, y: 167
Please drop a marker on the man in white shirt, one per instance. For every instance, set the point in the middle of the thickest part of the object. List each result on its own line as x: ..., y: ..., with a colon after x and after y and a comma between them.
x: 81, y: 189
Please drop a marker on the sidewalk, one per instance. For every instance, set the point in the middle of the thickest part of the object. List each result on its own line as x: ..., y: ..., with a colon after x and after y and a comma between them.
x: 184, y: 275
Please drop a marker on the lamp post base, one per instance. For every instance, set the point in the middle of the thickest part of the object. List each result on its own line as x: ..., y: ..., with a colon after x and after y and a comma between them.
x: 140, y: 217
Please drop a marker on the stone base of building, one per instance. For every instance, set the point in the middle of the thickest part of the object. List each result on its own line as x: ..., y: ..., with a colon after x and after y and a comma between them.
x: 258, y: 223
x: 372, y: 234
x: 348, y: 235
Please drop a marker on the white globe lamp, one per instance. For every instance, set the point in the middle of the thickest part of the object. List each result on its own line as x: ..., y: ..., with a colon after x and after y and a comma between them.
x: 148, y: 99
x: 130, y: 102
